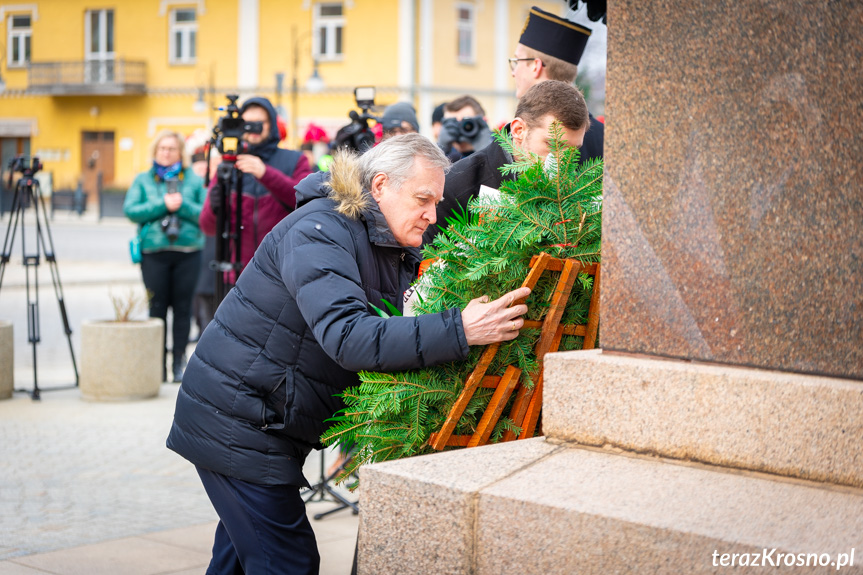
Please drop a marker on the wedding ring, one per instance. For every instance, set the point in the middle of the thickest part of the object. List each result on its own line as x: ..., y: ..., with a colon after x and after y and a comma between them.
x: 512, y: 325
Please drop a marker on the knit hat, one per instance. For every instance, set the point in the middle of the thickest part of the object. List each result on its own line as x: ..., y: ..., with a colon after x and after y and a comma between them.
x: 437, y: 114
x: 397, y: 113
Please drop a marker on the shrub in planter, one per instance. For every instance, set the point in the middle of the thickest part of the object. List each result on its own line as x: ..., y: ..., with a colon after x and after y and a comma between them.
x: 121, y: 359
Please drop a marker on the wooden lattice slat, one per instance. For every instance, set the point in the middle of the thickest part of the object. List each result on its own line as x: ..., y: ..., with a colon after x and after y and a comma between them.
x: 476, y: 376
x: 528, y: 401
x: 495, y: 406
x: 549, y: 329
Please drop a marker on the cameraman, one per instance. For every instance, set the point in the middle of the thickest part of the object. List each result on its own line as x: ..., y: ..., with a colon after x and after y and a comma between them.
x: 166, y: 203
x: 463, y: 129
x: 269, y: 175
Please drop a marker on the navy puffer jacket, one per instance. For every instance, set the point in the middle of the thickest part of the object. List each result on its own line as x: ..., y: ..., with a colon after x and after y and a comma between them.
x: 296, y: 329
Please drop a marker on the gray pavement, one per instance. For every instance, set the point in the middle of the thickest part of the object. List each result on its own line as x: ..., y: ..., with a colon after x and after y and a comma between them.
x: 90, y: 487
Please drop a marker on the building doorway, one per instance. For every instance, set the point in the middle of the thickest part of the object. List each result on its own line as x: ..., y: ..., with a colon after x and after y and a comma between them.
x: 97, y: 163
x: 9, y: 148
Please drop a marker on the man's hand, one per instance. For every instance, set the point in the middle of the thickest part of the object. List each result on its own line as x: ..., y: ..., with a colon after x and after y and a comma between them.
x: 499, y: 320
x: 173, y: 202
x: 250, y: 164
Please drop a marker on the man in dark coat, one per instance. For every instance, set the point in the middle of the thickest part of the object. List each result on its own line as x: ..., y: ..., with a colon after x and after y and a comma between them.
x: 295, y: 331
x: 537, y: 109
x: 550, y: 48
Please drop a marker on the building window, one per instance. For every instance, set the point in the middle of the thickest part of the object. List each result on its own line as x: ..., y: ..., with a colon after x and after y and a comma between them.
x: 329, y: 25
x: 19, y: 40
x: 99, y: 46
x: 183, y: 36
x: 466, y: 26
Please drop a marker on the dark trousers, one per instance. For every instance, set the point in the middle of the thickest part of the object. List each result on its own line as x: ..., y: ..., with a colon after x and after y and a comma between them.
x: 263, y: 529
x: 171, y: 279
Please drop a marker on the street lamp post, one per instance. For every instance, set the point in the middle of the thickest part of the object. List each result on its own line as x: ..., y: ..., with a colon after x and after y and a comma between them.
x: 280, y: 87
x: 314, y: 84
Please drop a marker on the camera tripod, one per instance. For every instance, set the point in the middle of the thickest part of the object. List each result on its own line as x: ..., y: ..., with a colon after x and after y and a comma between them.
x: 323, y: 488
x: 228, y: 241
x: 28, y: 192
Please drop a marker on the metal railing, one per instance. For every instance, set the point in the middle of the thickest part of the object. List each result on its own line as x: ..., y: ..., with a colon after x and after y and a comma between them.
x: 91, y: 77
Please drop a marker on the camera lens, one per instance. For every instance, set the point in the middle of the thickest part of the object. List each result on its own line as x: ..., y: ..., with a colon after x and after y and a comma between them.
x: 171, y: 227
x: 469, y: 128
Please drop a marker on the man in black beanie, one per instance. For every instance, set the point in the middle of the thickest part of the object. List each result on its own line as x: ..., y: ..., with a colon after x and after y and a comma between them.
x: 550, y: 48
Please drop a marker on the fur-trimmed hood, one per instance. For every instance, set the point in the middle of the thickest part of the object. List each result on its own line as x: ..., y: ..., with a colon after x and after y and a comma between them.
x: 343, y: 185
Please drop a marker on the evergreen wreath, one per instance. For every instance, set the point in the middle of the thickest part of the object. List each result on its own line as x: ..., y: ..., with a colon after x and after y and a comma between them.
x: 553, y: 207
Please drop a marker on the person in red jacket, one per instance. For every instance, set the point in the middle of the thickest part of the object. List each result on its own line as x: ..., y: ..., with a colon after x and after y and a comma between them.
x: 269, y: 175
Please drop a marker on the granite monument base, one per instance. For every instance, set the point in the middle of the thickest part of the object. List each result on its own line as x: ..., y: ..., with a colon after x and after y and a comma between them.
x: 553, y: 505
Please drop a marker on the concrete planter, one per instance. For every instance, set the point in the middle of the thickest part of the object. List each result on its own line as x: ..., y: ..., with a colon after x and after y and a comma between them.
x: 7, y: 359
x: 121, y: 360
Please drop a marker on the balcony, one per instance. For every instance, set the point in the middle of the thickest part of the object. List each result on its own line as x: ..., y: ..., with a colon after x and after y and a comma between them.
x: 87, y: 78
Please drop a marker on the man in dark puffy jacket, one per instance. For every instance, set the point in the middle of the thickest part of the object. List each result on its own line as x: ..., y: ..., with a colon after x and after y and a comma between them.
x: 295, y: 331
x: 269, y: 176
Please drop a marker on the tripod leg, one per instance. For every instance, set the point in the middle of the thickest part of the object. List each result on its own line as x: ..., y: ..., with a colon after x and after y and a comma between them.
x: 228, y: 177
x: 33, y: 337
x: 9, y: 241
x: 323, y: 488
x: 319, y: 516
x: 51, y: 258
x: 237, y: 260
x: 31, y: 261
x: 318, y: 488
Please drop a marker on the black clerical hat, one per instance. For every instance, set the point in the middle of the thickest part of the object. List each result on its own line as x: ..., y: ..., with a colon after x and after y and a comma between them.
x: 554, y: 35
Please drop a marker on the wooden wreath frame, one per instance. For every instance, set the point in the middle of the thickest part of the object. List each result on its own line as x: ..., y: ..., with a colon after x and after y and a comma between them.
x: 528, y: 400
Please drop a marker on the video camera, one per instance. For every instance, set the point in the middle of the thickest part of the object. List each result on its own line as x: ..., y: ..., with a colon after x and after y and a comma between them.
x: 229, y: 131
x: 357, y: 135
x: 21, y: 165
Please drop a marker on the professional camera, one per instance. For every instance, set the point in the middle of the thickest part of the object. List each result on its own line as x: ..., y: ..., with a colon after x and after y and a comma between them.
x: 20, y: 164
x: 464, y: 130
x: 171, y: 222
x: 473, y: 130
x: 229, y: 131
x: 357, y: 135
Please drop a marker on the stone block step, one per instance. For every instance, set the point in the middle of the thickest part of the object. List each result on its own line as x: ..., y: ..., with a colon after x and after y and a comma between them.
x: 537, y: 507
x: 789, y: 424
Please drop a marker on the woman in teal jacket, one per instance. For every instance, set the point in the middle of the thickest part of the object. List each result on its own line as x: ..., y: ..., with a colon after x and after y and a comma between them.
x: 166, y: 203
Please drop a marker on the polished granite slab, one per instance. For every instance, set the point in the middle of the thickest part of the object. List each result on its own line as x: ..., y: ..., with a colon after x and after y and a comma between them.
x: 733, y: 203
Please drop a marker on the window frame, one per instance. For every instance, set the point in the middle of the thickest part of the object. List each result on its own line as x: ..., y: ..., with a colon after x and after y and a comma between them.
x: 469, y: 27
x: 334, y: 25
x: 99, y: 65
x: 188, y: 38
x: 22, y: 38
x: 103, y: 54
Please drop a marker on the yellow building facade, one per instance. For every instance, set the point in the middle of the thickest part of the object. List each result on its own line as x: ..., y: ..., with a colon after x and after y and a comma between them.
x: 87, y: 83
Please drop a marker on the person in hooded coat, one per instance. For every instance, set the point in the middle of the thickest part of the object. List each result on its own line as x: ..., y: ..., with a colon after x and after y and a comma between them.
x: 269, y: 175
x: 296, y: 330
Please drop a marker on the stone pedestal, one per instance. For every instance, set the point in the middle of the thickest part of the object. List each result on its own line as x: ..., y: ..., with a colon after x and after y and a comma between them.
x: 121, y: 361
x: 706, y: 434
x: 7, y: 359
x: 558, y: 505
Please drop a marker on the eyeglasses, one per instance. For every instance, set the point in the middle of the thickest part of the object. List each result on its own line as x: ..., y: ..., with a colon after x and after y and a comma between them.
x: 513, y: 62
